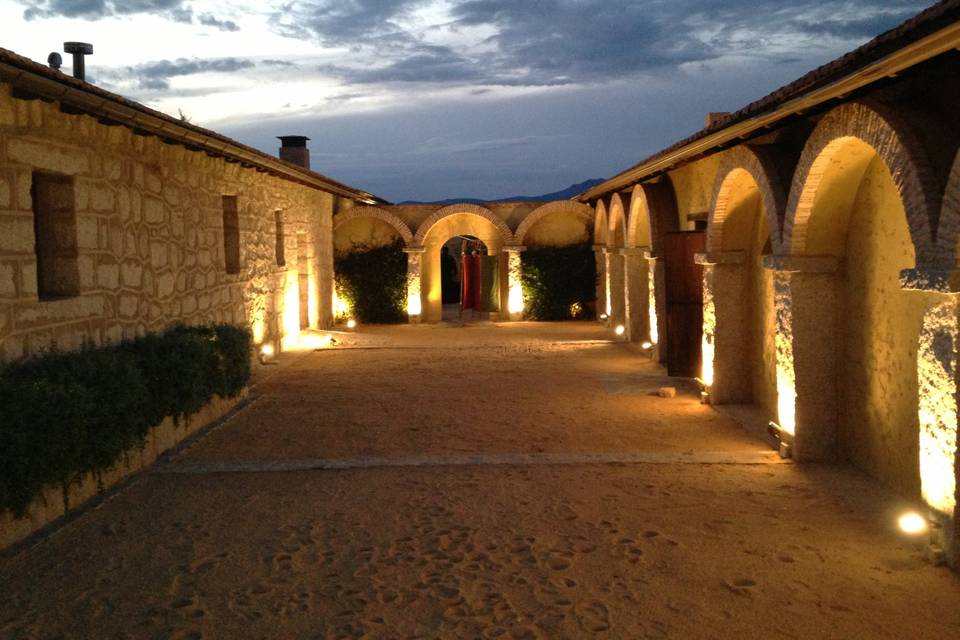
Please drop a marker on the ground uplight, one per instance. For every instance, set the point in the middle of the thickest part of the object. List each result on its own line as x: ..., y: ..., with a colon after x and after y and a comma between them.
x: 912, y: 523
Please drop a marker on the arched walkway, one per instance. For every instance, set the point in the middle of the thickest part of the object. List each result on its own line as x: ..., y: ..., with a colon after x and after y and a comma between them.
x: 739, y: 320
x: 601, y: 230
x: 858, y: 214
x: 616, y: 241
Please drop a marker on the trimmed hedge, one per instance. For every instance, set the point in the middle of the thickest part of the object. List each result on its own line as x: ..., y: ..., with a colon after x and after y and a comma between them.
x: 559, y: 282
x: 374, y: 283
x: 63, y: 414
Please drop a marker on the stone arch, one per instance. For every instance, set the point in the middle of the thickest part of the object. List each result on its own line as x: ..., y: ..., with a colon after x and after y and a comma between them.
x: 455, y: 209
x: 653, y: 212
x: 758, y: 165
x: 948, y: 231
x: 601, y: 227
x: 617, y: 231
x: 541, y: 212
x: 638, y: 222
x: 894, y: 144
x: 375, y: 212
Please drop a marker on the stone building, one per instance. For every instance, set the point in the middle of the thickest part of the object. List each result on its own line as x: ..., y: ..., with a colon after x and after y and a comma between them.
x: 117, y: 220
x: 800, y: 257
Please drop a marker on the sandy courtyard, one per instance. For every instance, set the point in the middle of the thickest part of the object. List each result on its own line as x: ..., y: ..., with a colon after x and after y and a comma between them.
x: 496, y: 481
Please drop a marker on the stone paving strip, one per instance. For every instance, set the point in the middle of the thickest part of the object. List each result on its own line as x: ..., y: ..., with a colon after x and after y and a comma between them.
x: 542, y: 459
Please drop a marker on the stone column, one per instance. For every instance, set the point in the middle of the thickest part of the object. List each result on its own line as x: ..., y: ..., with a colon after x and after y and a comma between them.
x: 805, y: 299
x: 414, y: 267
x: 616, y: 291
x: 600, y: 254
x: 726, y: 325
x: 514, y: 282
x: 657, y: 305
x: 636, y: 295
x: 938, y: 377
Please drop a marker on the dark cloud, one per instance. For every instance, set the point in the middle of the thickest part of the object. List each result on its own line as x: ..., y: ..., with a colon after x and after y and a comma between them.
x: 272, y: 62
x: 430, y: 64
x: 210, y: 20
x: 342, y: 21
x: 155, y: 76
x: 175, y: 10
x: 557, y: 42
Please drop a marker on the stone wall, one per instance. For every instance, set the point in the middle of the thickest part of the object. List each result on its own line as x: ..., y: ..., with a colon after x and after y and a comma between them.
x: 150, y: 236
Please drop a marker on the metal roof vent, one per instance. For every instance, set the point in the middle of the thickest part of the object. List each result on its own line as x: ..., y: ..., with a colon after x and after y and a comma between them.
x: 78, y: 50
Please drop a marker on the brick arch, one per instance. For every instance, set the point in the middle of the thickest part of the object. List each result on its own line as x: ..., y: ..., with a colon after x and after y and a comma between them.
x: 948, y: 231
x: 759, y: 165
x: 541, y: 212
x: 454, y: 209
x: 653, y: 212
x: 900, y: 151
x: 380, y: 214
x: 617, y: 221
x: 601, y: 227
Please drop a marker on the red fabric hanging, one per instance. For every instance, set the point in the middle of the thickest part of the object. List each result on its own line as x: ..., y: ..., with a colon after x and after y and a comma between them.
x: 471, y: 280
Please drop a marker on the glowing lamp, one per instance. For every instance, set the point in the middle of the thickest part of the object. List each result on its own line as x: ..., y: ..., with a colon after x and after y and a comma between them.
x: 351, y: 324
x: 646, y: 344
x: 414, y: 307
x: 620, y: 330
x: 912, y: 523
x: 604, y: 316
x: 266, y: 353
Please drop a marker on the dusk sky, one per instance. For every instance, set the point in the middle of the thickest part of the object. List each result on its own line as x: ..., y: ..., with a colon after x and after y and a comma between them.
x: 429, y: 99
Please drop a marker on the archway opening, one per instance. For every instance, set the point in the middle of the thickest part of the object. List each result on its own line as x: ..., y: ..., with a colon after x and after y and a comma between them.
x: 751, y: 368
x: 482, y: 236
x: 854, y: 212
x: 469, y: 279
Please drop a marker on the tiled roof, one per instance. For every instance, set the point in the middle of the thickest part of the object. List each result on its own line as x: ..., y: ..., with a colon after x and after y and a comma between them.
x: 84, y: 97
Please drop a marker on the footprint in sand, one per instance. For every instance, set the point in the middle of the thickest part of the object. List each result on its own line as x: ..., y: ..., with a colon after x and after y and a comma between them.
x: 741, y: 586
x: 592, y: 616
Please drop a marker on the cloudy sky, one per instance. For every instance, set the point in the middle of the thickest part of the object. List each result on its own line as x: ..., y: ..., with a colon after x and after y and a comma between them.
x: 428, y: 99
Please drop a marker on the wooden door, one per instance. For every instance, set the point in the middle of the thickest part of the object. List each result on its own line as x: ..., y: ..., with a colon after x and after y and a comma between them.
x: 684, y: 290
x: 303, y: 274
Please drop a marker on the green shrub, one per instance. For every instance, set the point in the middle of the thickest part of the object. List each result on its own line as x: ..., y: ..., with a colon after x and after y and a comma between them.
x: 65, y: 414
x: 374, y: 283
x: 558, y: 282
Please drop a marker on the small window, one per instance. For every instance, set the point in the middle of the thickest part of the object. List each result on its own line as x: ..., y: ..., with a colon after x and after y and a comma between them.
x: 55, y: 230
x: 231, y: 234
x: 281, y: 259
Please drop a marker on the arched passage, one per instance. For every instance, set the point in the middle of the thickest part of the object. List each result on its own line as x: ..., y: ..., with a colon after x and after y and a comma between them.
x: 371, y: 216
x: 458, y: 220
x: 567, y: 215
x: 847, y: 332
x: 601, y: 230
x: 739, y: 319
x: 616, y: 242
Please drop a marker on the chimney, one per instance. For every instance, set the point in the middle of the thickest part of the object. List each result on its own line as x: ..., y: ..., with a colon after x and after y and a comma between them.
x: 78, y: 50
x: 294, y: 149
x: 714, y: 117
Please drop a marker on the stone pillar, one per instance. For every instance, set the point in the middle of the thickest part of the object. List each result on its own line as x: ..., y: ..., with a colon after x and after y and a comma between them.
x: 414, y: 269
x: 616, y: 291
x: 514, y: 282
x: 938, y: 377
x: 600, y: 254
x: 657, y: 305
x: 636, y: 295
x: 805, y: 299
x: 726, y: 325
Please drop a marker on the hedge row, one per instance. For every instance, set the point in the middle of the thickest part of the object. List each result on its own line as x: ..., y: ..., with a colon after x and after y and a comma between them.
x: 374, y: 283
x: 63, y: 414
x: 559, y: 283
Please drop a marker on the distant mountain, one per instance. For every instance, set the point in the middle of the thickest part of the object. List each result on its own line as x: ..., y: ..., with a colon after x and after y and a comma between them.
x: 563, y: 194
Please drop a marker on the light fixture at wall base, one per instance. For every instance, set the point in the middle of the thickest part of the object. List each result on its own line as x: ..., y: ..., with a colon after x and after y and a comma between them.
x: 704, y: 397
x: 266, y: 354
x: 784, y: 439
